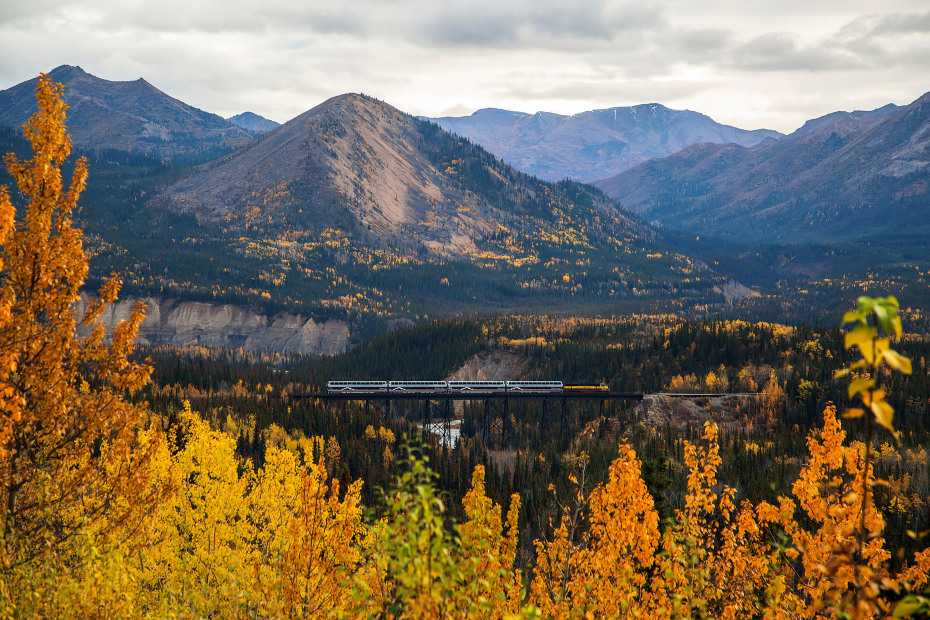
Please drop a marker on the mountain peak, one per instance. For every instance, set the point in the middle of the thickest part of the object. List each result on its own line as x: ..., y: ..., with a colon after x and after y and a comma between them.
x: 253, y: 122
x: 361, y: 166
x: 64, y: 72
x: 124, y: 115
x: 816, y: 185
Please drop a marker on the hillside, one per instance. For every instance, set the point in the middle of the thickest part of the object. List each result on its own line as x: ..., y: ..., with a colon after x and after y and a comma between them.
x: 596, y: 144
x: 126, y: 116
x: 846, y: 176
x: 358, y: 164
x: 358, y: 212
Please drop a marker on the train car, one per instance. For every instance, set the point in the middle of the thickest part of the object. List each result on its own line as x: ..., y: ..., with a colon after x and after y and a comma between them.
x: 477, y: 386
x: 356, y: 386
x: 418, y: 386
x: 596, y: 387
x: 534, y: 386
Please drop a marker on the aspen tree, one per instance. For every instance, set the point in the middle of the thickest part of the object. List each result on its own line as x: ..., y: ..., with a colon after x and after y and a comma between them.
x: 69, y: 454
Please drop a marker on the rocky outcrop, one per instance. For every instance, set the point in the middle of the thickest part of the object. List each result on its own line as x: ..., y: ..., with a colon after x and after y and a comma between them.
x: 488, y: 366
x: 174, y: 323
x: 491, y: 366
x: 734, y: 291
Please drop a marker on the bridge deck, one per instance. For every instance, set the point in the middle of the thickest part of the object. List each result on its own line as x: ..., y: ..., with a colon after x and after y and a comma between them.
x: 467, y: 396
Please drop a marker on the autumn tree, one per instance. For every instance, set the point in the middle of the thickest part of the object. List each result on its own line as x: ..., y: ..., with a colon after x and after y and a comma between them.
x: 488, y: 554
x: 69, y: 453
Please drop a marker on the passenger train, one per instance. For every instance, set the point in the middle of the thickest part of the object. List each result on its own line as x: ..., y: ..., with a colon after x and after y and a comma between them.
x: 456, y: 387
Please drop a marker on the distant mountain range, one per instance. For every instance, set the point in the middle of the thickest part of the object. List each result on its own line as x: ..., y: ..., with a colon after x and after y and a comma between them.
x: 593, y: 145
x: 844, y: 176
x: 358, y: 212
x: 128, y: 116
x: 353, y: 211
x: 253, y: 122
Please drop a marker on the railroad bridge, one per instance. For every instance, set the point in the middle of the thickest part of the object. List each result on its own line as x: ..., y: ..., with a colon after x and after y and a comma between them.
x: 437, y: 406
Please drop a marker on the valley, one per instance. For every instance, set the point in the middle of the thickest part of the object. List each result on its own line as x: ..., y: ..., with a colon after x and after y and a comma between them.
x: 357, y: 212
x: 177, y: 454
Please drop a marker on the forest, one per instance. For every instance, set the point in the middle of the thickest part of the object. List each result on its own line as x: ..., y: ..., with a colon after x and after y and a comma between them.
x: 206, y: 483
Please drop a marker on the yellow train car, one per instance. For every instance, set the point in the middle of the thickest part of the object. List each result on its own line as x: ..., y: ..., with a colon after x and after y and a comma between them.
x: 599, y: 387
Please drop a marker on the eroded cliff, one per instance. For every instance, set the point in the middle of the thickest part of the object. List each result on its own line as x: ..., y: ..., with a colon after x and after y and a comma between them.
x: 176, y: 323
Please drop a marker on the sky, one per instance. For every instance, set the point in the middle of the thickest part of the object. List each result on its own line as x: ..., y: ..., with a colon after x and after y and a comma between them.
x: 748, y: 63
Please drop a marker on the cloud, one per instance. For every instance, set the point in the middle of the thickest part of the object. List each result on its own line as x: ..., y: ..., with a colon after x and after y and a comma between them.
x: 609, y: 93
x: 902, y: 23
x: 529, y: 24
x: 897, y: 39
x: 279, y: 58
x: 782, y: 52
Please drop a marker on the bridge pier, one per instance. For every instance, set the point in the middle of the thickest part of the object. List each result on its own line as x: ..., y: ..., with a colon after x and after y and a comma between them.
x: 492, y: 431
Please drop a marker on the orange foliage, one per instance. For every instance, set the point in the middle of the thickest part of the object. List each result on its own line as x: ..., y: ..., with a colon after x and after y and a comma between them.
x: 721, y: 560
x: 68, y: 448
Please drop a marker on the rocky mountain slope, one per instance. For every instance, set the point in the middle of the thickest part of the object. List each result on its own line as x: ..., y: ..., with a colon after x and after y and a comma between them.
x: 596, y: 144
x: 858, y: 175
x: 359, y: 165
x: 355, y: 209
x: 127, y: 116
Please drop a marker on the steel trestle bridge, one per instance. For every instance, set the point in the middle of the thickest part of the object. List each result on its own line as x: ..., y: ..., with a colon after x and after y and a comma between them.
x: 438, y: 412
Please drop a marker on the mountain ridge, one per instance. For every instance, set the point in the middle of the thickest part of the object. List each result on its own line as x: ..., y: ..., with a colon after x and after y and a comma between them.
x: 813, y: 185
x: 594, y: 144
x: 125, y: 115
x: 253, y: 122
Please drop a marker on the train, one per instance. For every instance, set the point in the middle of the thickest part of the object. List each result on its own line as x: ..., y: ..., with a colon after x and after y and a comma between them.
x: 458, y: 387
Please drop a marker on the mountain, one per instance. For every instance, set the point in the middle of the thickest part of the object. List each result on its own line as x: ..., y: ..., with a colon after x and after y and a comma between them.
x: 253, y: 122
x: 126, y: 116
x: 845, y: 176
x: 356, y: 211
x: 359, y: 213
x: 592, y: 145
x: 358, y: 164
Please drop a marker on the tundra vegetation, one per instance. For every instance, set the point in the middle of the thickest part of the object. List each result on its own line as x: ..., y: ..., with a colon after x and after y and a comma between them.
x: 120, y: 502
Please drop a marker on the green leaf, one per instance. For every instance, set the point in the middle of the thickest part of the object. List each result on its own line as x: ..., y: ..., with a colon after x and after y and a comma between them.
x: 886, y: 314
x: 896, y: 325
x: 909, y: 606
x: 865, y: 304
x: 859, y: 384
x: 885, y: 317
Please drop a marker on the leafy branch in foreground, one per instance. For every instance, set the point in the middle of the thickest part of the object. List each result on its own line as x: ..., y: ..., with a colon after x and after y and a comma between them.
x: 876, y: 352
x: 875, y: 322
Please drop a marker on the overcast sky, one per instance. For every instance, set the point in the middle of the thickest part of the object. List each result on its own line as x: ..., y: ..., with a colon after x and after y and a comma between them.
x: 749, y: 63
